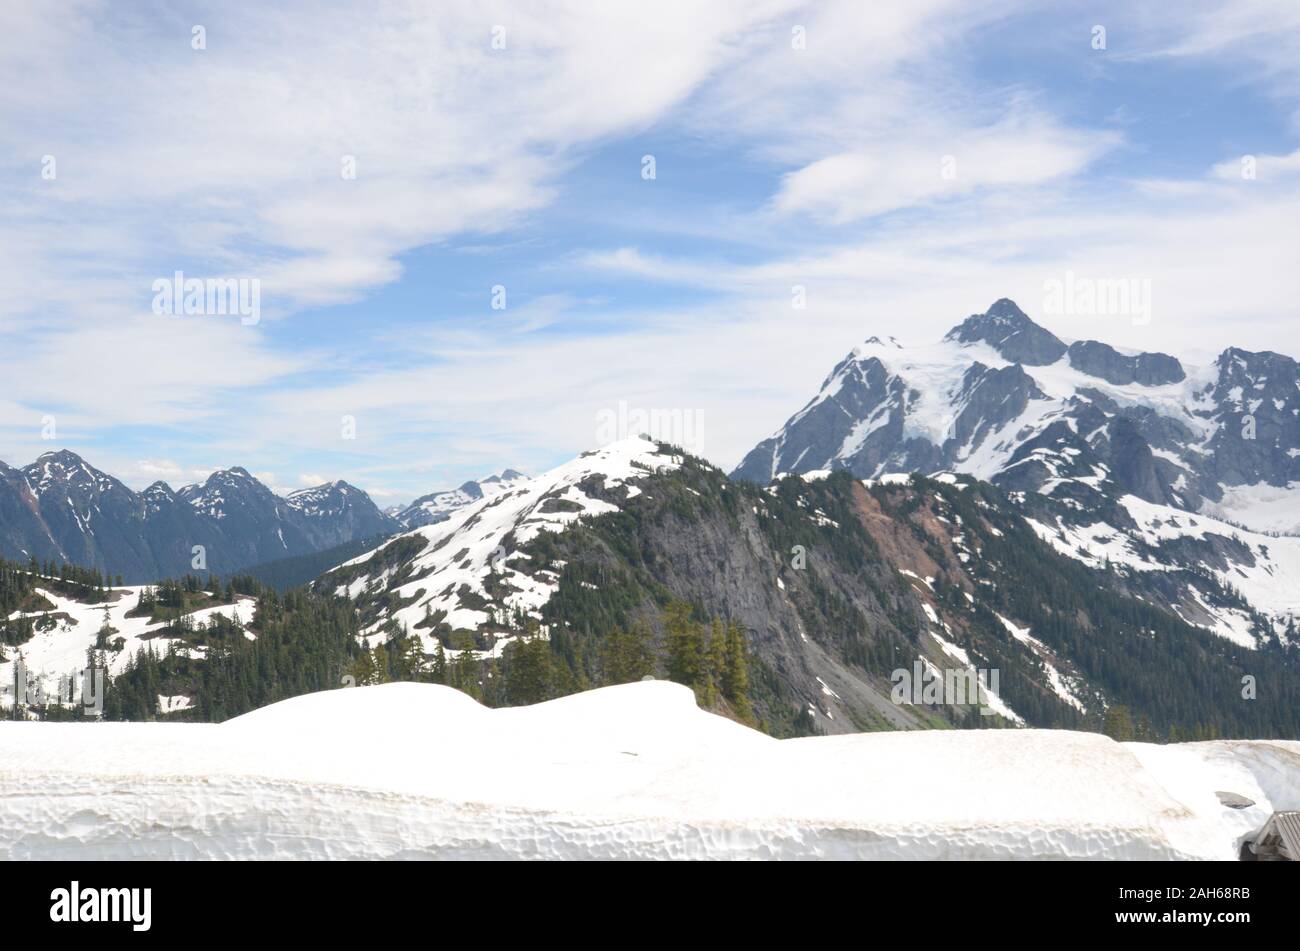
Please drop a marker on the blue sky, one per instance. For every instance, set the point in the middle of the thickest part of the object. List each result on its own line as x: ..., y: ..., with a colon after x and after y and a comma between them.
x: 818, y: 167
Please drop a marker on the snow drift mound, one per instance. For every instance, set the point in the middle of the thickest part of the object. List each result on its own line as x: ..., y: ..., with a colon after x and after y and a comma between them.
x: 636, y: 771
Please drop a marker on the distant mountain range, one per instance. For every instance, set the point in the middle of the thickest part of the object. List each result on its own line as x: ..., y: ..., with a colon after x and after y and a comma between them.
x: 1095, y: 539
x: 1128, y: 459
x: 62, y: 508
x: 1006, y: 400
x: 438, y: 506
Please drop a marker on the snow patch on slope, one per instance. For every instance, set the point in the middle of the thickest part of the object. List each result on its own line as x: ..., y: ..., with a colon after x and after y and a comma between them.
x: 1271, y: 585
x: 483, y: 539
x: 62, y: 650
x: 1265, y: 508
x: 1058, y: 683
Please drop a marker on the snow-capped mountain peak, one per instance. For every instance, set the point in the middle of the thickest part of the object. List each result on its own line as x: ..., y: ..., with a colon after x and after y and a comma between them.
x: 441, y: 569
x: 1008, y: 330
x: 61, y: 507
x: 328, y: 498
x: 226, y: 491
x: 65, y: 468
x: 1077, y: 426
x: 998, y: 382
x: 438, y: 506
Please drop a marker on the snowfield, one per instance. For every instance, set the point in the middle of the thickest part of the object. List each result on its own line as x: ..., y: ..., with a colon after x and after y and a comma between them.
x: 1271, y: 583
x: 635, y: 771
x: 61, y: 650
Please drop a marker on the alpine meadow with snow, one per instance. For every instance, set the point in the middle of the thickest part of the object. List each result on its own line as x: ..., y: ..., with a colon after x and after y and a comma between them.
x: 565, y: 430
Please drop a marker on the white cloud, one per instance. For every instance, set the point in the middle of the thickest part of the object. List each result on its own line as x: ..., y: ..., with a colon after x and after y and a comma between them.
x: 1216, y: 26
x: 908, y: 171
x: 145, y: 370
x: 229, y: 160
x: 1258, y: 41
x: 163, y: 469
x: 232, y: 156
x: 1220, y: 260
x: 1266, y: 168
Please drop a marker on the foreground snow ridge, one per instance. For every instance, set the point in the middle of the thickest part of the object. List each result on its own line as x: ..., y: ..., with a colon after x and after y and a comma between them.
x: 636, y: 771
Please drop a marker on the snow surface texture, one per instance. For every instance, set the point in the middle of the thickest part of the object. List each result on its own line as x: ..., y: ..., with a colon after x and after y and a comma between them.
x: 1265, y: 507
x: 635, y: 771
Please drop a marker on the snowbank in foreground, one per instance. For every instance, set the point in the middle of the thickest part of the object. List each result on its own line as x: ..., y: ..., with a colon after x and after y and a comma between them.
x: 416, y: 771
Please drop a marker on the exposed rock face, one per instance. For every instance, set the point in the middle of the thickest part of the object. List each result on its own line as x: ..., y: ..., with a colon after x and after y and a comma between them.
x: 1255, y: 402
x: 1132, y: 463
x: 989, y: 399
x: 1102, y: 360
x: 837, y: 584
x: 1007, y: 329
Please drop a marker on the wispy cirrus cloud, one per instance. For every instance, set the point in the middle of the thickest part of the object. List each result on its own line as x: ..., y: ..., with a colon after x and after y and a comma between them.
x: 797, y: 143
x: 936, y: 166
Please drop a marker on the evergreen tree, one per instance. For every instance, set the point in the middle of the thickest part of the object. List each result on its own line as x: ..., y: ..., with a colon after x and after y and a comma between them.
x: 628, y: 656
x: 528, y: 671
x: 438, y: 670
x: 465, y: 673
x: 1119, y: 724
x: 411, y: 660
x: 362, y: 669
x: 713, y: 645
x: 684, y: 639
x: 735, y: 673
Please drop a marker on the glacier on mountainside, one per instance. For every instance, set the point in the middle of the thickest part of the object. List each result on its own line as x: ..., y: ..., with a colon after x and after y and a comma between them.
x: 1203, y: 461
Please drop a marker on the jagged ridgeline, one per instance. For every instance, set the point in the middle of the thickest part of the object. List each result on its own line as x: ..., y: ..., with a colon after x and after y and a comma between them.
x: 803, y: 606
x: 838, y: 586
x: 60, y: 508
x: 893, y: 573
x: 1185, y: 473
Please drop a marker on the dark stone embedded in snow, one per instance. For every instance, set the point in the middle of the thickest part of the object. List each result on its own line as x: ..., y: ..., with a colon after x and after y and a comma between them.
x: 1233, y: 800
